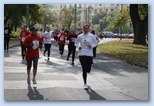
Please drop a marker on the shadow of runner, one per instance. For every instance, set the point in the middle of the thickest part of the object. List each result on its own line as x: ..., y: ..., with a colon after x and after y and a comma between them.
x: 93, y: 95
x: 34, y: 94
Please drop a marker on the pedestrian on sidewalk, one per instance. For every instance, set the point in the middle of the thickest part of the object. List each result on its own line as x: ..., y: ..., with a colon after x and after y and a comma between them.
x: 47, y: 41
x: 7, y: 32
x: 24, y: 32
x: 32, y: 42
x: 95, y: 48
x: 61, y: 41
x: 71, y: 45
x: 85, y: 43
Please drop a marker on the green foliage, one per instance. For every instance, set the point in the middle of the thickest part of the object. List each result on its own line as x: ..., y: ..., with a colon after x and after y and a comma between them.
x: 96, y: 18
x: 125, y: 50
x: 16, y: 13
x: 15, y: 34
x: 96, y: 27
x: 66, y: 17
x: 143, y: 10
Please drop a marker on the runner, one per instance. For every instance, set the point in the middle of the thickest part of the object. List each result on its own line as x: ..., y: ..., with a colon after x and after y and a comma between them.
x: 71, y: 47
x: 24, y: 32
x: 95, y: 48
x: 61, y: 41
x: 7, y: 32
x: 85, y: 43
x: 32, y: 43
x: 47, y: 41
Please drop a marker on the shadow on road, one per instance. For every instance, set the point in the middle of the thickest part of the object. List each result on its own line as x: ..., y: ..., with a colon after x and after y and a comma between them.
x: 94, y: 95
x: 34, y: 94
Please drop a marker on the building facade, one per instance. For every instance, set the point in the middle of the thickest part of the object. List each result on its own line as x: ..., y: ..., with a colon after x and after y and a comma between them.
x: 85, y: 12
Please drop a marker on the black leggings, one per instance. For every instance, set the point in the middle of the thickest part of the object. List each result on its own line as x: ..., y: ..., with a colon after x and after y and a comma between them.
x: 35, y: 62
x: 47, y: 48
x: 23, y: 49
x: 86, y: 66
x: 61, y: 48
x: 71, y: 50
x: 6, y: 43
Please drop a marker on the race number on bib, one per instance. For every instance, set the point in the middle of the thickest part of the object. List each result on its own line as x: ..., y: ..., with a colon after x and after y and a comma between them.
x: 23, y: 39
x: 62, y: 38
x: 73, y: 39
x: 6, y: 31
x: 85, y: 42
x: 35, y: 44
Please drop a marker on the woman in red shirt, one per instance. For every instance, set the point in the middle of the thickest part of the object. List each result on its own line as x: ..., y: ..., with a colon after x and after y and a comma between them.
x: 61, y: 41
x: 32, y: 43
x: 24, y: 32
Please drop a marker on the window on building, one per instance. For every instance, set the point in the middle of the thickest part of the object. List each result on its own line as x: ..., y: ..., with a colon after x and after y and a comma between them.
x: 100, y: 4
x: 89, y: 11
x: 112, y: 10
x: 95, y: 11
x: 112, y: 4
x: 61, y: 6
x: 79, y: 24
x: 106, y: 10
x: 79, y: 5
x: 100, y: 10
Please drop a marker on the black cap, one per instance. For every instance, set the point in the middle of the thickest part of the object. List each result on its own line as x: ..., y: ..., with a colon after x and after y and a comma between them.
x: 33, y: 29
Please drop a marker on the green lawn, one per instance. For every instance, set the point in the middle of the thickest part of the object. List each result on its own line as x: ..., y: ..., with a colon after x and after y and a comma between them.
x: 125, y: 50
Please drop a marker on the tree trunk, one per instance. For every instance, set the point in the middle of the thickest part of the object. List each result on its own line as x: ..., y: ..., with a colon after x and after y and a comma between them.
x: 139, y: 26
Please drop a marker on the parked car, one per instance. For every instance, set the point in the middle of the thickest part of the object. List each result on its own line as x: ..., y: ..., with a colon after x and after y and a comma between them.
x: 116, y: 35
x: 130, y: 36
x: 108, y: 34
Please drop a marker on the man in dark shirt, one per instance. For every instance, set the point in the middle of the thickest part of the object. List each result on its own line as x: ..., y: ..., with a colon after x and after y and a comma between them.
x: 7, y: 32
x: 71, y: 47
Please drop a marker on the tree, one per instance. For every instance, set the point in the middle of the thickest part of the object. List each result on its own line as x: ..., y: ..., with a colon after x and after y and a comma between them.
x: 66, y: 17
x: 139, y: 17
x: 16, y: 13
x: 96, y: 19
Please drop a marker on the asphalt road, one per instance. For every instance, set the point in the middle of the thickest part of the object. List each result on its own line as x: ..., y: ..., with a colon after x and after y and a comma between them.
x: 57, y: 79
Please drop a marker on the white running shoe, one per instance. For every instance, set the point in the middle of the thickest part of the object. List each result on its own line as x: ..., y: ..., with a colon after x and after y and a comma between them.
x: 28, y: 80
x: 85, y: 87
x: 34, y: 81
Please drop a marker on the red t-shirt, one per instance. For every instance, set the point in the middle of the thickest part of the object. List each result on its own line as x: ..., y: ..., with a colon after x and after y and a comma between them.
x: 32, y: 51
x: 61, y: 38
x: 23, y: 35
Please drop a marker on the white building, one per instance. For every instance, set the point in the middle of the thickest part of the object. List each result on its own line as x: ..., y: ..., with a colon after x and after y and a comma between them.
x: 87, y: 11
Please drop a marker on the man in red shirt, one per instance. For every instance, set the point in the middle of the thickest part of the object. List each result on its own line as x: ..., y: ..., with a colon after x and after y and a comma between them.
x: 61, y: 41
x: 32, y: 43
x: 24, y: 32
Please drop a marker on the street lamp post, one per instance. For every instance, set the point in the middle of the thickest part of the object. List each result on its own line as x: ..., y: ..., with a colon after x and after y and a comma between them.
x: 27, y: 15
x: 121, y: 25
x: 89, y: 7
x: 75, y: 16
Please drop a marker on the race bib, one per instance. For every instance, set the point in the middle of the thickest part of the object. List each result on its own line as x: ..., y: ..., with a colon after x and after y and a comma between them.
x: 23, y: 39
x: 85, y: 42
x: 35, y: 44
x: 62, y: 38
x: 6, y: 31
x: 48, y: 36
x: 73, y: 39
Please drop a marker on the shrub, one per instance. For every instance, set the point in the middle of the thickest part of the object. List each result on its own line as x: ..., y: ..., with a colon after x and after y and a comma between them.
x: 15, y: 34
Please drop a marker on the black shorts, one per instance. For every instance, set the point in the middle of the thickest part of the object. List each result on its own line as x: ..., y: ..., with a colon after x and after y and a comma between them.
x: 35, y: 62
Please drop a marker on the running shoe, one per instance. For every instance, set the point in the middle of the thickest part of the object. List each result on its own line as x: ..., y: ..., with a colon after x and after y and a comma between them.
x: 34, y: 81
x: 28, y: 80
x: 85, y: 87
